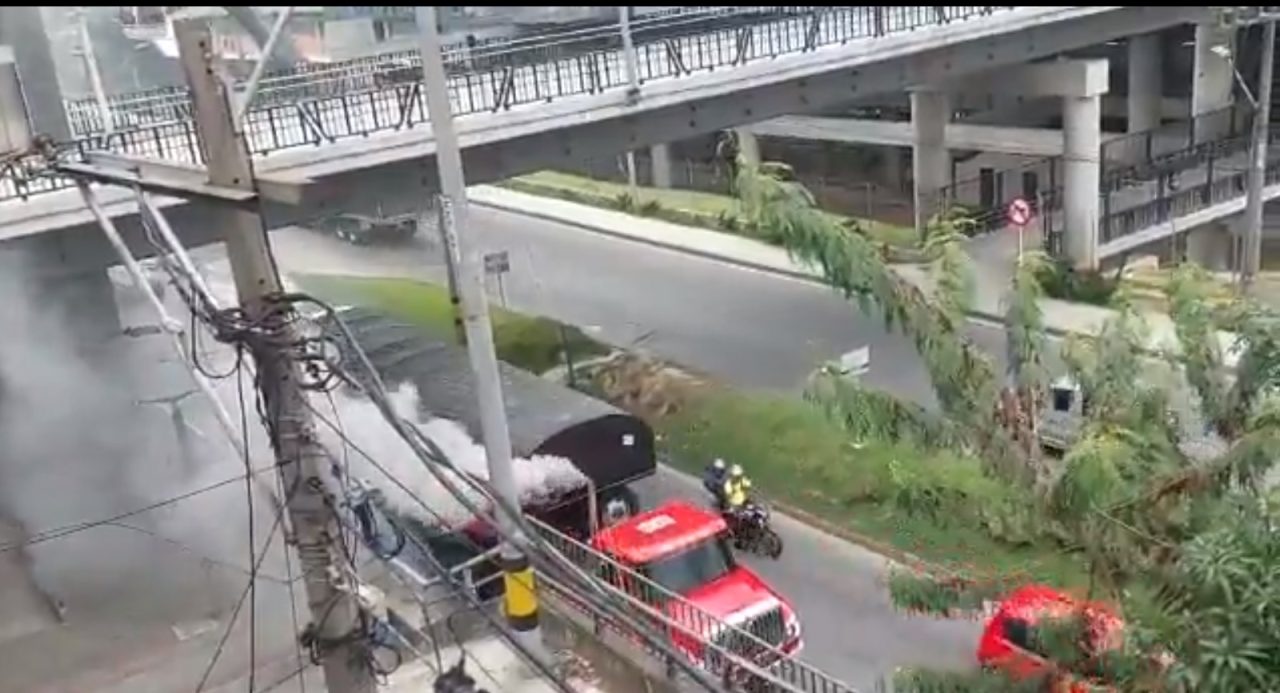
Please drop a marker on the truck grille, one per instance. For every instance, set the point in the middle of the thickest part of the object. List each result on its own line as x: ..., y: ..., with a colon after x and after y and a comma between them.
x: 769, y: 627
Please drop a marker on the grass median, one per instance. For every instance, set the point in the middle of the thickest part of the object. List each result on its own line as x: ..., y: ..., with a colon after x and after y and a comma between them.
x: 686, y: 207
x: 535, y: 344
x: 893, y: 497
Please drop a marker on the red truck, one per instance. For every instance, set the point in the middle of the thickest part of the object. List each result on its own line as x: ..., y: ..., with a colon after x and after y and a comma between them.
x: 684, y: 549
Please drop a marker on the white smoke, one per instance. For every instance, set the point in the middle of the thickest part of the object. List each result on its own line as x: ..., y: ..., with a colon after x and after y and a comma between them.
x: 79, y: 446
x: 537, y: 478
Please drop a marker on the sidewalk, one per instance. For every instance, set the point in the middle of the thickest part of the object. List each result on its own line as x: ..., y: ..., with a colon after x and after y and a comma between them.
x: 994, y: 255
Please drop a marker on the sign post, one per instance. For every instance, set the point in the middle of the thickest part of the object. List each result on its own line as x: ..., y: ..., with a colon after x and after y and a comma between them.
x: 498, y: 264
x: 1019, y: 214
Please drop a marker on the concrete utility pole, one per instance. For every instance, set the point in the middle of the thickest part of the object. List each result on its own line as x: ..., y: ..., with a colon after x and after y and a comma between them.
x: 520, y: 601
x: 633, y: 86
x: 1258, y: 159
x: 302, y: 462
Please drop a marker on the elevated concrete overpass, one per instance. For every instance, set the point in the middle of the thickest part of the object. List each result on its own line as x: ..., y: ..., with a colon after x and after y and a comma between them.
x: 346, y: 165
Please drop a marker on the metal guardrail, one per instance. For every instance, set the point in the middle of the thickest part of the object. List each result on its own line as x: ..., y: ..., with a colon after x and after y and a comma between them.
x: 314, y: 80
x: 1225, y: 179
x: 390, y: 99
x: 745, y: 653
x: 1145, y: 155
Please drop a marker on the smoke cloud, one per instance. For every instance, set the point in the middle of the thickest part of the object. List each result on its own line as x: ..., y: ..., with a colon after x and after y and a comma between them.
x: 81, y: 444
x: 537, y: 478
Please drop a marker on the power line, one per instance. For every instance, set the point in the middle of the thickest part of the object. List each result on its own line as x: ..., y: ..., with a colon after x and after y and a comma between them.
x: 203, y: 557
x: 68, y: 530
x: 235, y: 613
x: 248, y: 491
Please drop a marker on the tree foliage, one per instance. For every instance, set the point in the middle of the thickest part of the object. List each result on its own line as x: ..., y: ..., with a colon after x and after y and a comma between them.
x: 851, y: 263
x: 1164, y: 502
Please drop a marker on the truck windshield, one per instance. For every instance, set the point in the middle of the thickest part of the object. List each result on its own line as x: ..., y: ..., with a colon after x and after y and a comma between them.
x: 696, y: 566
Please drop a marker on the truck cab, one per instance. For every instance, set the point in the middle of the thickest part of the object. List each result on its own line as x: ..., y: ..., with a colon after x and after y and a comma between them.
x: 684, y: 549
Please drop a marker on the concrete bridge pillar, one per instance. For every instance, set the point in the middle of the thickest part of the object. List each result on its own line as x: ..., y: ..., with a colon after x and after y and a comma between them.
x: 661, y: 156
x: 23, y: 29
x: 1145, y: 82
x: 931, y: 161
x: 748, y: 145
x: 1212, y: 79
x: 1210, y: 246
x: 1082, y: 141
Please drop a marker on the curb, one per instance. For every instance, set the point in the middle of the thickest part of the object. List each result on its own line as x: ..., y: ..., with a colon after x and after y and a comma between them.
x: 974, y: 315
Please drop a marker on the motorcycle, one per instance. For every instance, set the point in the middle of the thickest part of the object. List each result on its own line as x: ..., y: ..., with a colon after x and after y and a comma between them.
x: 752, y: 533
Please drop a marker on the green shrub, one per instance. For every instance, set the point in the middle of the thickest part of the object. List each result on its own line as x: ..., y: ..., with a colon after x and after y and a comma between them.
x: 1063, y: 282
x: 624, y: 202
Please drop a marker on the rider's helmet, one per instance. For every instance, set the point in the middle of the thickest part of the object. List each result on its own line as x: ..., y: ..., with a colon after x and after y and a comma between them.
x: 736, y: 471
x: 718, y: 465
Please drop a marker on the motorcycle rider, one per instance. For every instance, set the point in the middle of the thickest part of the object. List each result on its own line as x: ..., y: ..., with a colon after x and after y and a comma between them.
x: 737, y: 491
x: 713, y: 479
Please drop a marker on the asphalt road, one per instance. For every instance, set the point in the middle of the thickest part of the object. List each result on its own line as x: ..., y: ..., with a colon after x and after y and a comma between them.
x: 751, y: 328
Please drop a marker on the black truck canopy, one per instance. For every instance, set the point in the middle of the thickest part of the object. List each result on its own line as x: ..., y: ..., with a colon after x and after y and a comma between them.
x: 609, y: 446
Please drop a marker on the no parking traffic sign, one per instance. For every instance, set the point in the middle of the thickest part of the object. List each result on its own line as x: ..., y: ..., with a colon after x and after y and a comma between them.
x: 1019, y: 212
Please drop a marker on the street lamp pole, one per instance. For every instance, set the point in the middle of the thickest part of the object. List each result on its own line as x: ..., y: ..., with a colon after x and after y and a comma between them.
x: 1258, y: 160
x: 520, y: 600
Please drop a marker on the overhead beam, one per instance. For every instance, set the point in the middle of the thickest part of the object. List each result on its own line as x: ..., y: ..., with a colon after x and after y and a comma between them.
x: 173, y: 178
x: 985, y: 138
x: 1079, y: 78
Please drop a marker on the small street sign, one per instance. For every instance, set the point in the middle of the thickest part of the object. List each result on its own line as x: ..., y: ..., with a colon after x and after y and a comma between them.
x: 497, y: 263
x: 1019, y: 212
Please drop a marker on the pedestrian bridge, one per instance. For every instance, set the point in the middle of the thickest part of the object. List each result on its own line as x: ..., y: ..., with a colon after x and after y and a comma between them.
x: 357, y: 138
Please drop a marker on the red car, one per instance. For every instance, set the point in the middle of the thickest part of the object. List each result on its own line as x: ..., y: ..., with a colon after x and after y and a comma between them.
x: 1009, y: 644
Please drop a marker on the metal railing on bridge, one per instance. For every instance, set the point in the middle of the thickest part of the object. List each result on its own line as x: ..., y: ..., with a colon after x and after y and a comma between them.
x: 1174, y: 146
x: 369, y: 96
x: 1222, y: 177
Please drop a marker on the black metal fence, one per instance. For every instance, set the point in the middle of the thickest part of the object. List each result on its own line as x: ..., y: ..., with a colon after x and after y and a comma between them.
x: 1223, y: 177
x: 1142, y: 156
x: 986, y: 197
x: 364, y: 99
